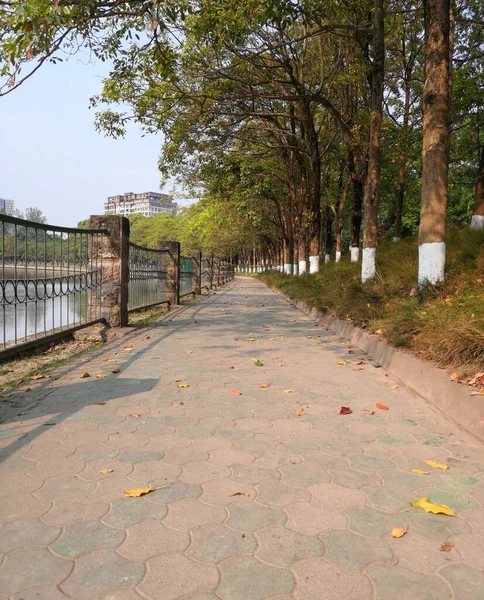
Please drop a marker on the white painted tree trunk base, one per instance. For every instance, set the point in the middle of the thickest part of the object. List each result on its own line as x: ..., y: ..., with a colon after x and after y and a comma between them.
x: 354, y: 254
x: 431, y: 263
x: 327, y: 258
x: 302, y: 267
x: 295, y: 268
x: 337, y: 257
x: 314, y: 264
x: 477, y: 222
x: 368, y: 265
x: 396, y: 239
x: 287, y: 269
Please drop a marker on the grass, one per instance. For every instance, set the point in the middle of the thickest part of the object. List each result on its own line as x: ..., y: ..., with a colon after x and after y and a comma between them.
x: 444, y: 323
x: 22, y: 368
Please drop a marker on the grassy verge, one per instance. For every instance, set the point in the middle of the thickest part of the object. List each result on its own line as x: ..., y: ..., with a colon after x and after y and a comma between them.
x: 444, y: 324
x: 24, y: 368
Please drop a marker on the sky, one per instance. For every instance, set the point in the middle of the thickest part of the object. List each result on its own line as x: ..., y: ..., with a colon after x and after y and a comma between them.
x: 51, y: 156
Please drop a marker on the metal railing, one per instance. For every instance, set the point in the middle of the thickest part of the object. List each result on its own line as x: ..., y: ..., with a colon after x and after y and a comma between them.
x: 50, y: 280
x: 205, y: 273
x: 148, y: 269
x: 187, y: 277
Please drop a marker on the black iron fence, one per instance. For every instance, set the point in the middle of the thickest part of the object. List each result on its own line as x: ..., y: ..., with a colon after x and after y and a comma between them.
x: 187, y: 276
x: 148, y: 270
x: 54, y: 280
x: 50, y: 280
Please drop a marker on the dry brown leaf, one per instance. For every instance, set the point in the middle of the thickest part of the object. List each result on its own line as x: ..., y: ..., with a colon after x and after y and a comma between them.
x: 238, y: 494
x: 135, y: 415
x: 236, y: 392
x: 110, y: 360
x: 300, y: 412
x: 177, y: 380
x: 137, y: 492
x: 446, y: 546
x: 28, y: 389
x: 345, y: 410
x: 397, y: 532
x: 478, y: 379
x: 341, y: 363
x: 84, y: 375
x: 100, y: 376
x: 116, y: 370
x: 41, y: 376
x: 455, y: 377
x: 367, y: 411
x: 264, y: 385
x: 99, y: 403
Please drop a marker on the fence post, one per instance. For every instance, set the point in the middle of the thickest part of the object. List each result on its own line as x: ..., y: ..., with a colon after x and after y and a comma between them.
x: 173, y: 272
x: 210, y: 271
x: 114, y: 250
x: 197, y: 271
x: 216, y: 271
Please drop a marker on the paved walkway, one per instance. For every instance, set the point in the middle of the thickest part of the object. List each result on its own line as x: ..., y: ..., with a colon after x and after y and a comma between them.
x: 270, y: 494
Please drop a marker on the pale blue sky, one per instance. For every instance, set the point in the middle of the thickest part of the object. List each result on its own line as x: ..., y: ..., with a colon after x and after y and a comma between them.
x: 52, y: 157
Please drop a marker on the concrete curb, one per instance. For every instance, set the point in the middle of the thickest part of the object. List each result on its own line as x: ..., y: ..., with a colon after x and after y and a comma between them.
x: 454, y: 400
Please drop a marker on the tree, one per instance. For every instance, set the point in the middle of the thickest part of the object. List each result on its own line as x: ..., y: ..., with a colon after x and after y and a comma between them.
x: 35, y: 215
x: 436, y: 142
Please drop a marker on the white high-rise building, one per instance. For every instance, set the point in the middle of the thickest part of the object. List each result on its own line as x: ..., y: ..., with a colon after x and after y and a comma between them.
x: 7, y: 206
x: 145, y: 203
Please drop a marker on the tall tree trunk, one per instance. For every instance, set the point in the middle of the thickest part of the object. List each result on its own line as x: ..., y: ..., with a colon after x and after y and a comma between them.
x: 314, y: 178
x: 477, y: 221
x: 436, y: 138
x: 400, y: 197
x: 372, y: 184
x: 302, y: 250
x: 357, y: 181
x: 288, y: 256
x: 328, y: 240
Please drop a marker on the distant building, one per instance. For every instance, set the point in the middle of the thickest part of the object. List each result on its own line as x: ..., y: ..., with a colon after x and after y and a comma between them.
x: 146, y: 203
x: 7, y: 207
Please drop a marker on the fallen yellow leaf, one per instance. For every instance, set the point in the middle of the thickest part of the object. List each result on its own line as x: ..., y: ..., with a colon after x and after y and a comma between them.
x: 420, y: 472
x: 264, y: 385
x: 100, y: 376
x: 84, y: 375
x: 105, y: 471
x: 250, y: 340
x: 300, y: 412
x: 136, y: 493
x: 289, y: 391
x: 342, y: 363
x: 436, y: 509
x: 183, y: 385
x: 236, y: 392
x: 41, y: 376
x: 436, y: 465
x: 398, y: 533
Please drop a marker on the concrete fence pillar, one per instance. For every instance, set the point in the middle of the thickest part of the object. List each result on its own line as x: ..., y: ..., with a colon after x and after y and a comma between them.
x: 114, y: 252
x: 173, y: 272
x: 197, y: 271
